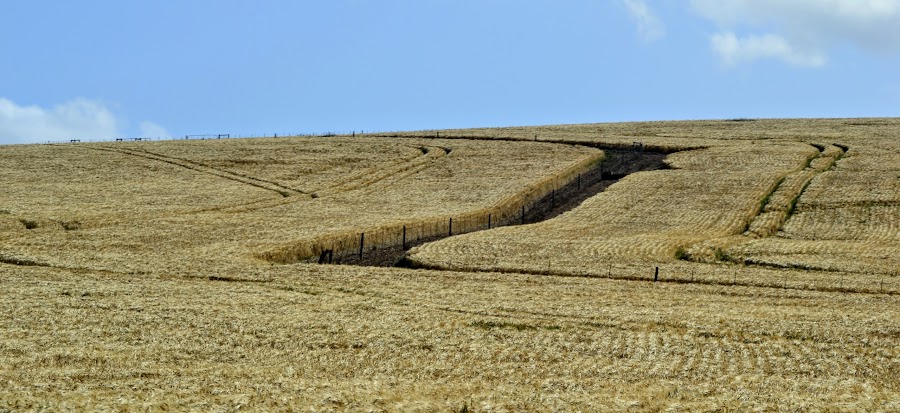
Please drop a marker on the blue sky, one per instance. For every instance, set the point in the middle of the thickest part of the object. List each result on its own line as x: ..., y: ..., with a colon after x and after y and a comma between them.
x: 97, y: 69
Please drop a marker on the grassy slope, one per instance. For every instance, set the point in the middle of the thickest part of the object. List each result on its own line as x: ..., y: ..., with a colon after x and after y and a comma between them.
x: 113, y: 324
x: 359, y: 339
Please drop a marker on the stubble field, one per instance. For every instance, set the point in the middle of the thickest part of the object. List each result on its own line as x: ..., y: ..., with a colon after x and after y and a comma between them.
x: 181, y: 275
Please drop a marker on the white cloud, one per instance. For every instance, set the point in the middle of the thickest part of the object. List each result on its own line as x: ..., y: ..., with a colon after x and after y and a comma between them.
x: 77, y: 119
x: 151, y: 130
x: 649, y: 26
x: 734, y: 50
x: 800, y: 31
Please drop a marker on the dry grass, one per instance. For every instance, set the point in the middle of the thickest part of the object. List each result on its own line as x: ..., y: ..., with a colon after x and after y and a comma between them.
x: 229, y: 218
x: 848, y: 218
x: 142, y: 277
x: 801, y: 194
x: 363, y: 339
x: 711, y: 196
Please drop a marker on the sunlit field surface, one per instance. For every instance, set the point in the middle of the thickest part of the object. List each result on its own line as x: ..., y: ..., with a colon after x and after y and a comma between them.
x: 757, y: 271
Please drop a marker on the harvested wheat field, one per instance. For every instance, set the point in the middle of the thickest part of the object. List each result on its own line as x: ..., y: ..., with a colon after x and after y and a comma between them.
x: 753, y: 269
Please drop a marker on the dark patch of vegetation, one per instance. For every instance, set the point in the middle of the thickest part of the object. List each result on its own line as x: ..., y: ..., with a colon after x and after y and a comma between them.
x: 787, y: 266
x: 297, y: 290
x: 70, y: 225
x: 230, y: 279
x: 488, y: 325
x: 29, y: 224
x: 721, y: 255
x: 20, y: 261
x: 710, y: 334
x: 405, y: 262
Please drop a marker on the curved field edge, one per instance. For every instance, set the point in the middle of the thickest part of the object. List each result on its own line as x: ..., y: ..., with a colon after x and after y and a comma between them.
x: 502, y: 212
x: 585, y: 242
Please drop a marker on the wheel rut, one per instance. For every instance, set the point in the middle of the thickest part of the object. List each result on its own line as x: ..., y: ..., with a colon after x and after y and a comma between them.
x: 282, y: 190
x: 777, y: 207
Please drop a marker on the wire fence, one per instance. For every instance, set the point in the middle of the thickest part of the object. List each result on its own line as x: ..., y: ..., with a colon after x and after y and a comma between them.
x: 213, y: 136
x: 526, y: 206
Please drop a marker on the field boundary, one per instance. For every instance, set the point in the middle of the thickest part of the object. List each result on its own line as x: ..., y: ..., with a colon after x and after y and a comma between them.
x: 634, y: 146
x: 729, y: 279
x: 342, y: 246
x: 508, y: 210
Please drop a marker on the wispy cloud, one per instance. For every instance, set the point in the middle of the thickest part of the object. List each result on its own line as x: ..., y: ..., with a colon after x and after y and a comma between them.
x: 649, y: 27
x: 77, y: 119
x: 151, y: 130
x: 734, y: 50
x: 799, y: 32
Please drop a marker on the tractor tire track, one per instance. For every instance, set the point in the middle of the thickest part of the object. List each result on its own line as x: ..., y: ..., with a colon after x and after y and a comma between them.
x: 430, y: 154
x: 361, y: 180
x: 282, y: 190
x: 778, y: 206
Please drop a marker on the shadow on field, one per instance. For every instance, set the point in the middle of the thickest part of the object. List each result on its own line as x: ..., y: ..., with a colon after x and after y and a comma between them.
x: 617, y: 164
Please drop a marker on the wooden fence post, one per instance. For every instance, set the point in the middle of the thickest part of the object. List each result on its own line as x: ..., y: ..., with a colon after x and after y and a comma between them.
x: 656, y: 275
x: 404, y: 237
x: 362, y: 238
x: 489, y: 221
x: 523, y: 214
x: 450, y: 228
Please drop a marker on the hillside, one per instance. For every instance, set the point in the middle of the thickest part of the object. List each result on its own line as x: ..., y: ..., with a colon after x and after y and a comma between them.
x: 755, y: 270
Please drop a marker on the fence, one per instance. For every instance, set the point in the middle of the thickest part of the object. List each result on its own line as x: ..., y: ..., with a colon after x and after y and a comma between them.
x: 483, y: 133
x: 510, y: 211
x: 211, y: 136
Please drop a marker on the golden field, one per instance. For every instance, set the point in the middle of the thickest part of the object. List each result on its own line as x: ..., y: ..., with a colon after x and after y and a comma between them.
x: 144, y: 207
x: 155, y: 276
